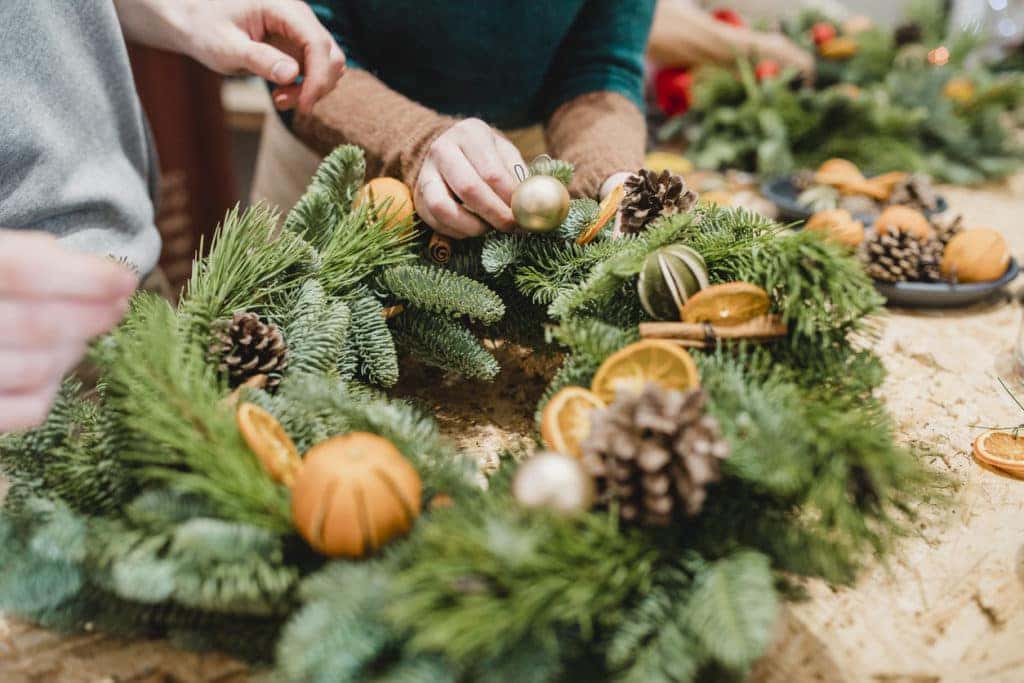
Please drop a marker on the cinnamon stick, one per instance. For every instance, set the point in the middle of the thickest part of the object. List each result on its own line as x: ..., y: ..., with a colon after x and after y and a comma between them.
x: 761, y: 328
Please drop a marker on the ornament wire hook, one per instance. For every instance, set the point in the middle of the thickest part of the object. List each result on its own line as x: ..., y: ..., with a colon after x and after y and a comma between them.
x: 520, y: 172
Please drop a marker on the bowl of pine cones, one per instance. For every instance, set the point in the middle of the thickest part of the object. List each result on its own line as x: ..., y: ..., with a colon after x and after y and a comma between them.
x: 839, y: 184
x: 935, y: 262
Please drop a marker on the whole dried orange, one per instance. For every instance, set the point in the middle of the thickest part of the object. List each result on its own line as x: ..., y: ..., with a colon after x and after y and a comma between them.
x: 650, y: 360
x: 605, y: 212
x: 565, y: 422
x: 389, y: 195
x: 733, y: 303
x: 1002, y: 450
x: 267, y: 439
x: 836, y: 171
x: 898, y: 218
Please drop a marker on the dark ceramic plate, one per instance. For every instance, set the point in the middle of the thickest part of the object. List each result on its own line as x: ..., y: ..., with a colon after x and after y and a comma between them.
x: 784, y: 194
x: 943, y: 294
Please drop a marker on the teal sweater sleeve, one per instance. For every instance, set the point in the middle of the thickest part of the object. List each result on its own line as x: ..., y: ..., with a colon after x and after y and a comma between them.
x: 603, y: 51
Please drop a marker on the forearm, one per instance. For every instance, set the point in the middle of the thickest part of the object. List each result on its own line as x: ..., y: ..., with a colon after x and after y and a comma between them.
x: 683, y: 34
x: 601, y: 133
x: 157, y: 23
x: 394, y: 131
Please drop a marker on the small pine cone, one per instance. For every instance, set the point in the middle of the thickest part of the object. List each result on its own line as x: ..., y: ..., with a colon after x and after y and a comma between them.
x: 247, y: 345
x: 947, y: 226
x: 916, y: 192
x: 655, y: 453
x: 909, y: 33
x: 650, y: 196
x: 901, y: 257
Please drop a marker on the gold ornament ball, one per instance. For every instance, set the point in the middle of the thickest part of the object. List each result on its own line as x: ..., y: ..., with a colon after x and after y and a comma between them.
x: 540, y: 203
x: 555, y: 482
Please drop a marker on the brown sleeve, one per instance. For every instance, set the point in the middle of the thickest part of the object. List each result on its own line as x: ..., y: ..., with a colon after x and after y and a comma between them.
x: 601, y: 133
x: 394, y: 131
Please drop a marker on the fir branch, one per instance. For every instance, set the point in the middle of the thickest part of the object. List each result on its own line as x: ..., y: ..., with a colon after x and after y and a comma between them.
x: 545, y: 165
x: 443, y: 344
x: 340, y: 176
x: 314, y: 217
x: 372, y: 341
x: 317, y: 332
x: 441, y: 291
x: 733, y: 608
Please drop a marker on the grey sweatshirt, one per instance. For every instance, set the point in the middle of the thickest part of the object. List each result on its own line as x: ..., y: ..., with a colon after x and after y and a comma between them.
x: 76, y: 159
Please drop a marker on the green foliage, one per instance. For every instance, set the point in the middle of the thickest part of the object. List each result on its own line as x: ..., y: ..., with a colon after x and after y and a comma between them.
x: 247, y: 268
x: 166, y: 398
x: 317, y: 332
x: 358, y: 247
x: 441, y: 291
x: 371, y: 339
x: 444, y: 344
x: 901, y: 120
x: 545, y: 165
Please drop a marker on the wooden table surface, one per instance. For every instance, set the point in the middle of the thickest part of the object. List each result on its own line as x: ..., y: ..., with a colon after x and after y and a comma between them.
x: 948, y: 606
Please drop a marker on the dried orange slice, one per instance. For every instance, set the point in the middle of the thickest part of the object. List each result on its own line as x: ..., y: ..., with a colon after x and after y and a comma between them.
x: 605, y: 212
x: 267, y: 439
x: 565, y: 422
x: 650, y: 360
x: 1002, y: 450
x: 836, y: 171
x: 254, y: 382
x: 733, y: 303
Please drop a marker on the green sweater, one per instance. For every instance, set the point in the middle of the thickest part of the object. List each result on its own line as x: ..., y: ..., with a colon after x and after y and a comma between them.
x: 508, y: 62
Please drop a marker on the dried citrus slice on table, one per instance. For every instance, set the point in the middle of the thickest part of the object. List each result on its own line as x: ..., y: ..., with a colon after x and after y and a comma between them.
x: 1002, y: 450
x: 733, y: 303
x: 565, y: 422
x: 650, y: 360
x: 605, y: 212
x: 267, y: 439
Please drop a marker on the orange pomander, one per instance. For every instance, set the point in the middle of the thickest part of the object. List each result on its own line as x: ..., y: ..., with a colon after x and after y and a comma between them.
x: 977, y: 255
x: 354, y: 494
x: 390, y: 195
x: 904, y: 219
x: 837, y: 225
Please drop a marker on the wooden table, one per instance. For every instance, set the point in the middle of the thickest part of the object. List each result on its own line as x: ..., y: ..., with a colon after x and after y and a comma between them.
x: 948, y: 606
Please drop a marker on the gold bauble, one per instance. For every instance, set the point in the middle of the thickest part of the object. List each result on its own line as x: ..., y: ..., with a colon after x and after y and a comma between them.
x: 554, y: 482
x: 540, y: 204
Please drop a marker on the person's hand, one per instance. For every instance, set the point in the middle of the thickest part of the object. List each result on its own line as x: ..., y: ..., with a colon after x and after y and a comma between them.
x: 465, y: 184
x: 278, y: 40
x: 776, y: 46
x: 52, y: 301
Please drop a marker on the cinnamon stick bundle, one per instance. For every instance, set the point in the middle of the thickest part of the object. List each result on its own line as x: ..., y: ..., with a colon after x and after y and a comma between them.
x: 703, y: 335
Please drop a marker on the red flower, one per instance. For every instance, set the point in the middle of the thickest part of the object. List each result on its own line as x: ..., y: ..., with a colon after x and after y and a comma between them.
x: 767, y: 68
x: 672, y: 87
x: 727, y: 16
x: 822, y: 32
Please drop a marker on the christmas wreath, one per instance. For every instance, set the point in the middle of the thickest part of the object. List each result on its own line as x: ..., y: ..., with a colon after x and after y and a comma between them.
x: 239, y: 479
x: 909, y: 99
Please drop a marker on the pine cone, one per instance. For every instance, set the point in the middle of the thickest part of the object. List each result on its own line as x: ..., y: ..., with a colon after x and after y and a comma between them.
x: 650, y: 196
x: 247, y: 345
x: 909, y: 33
x: 901, y: 257
x: 947, y: 226
x: 917, y: 193
x: 655, y: 453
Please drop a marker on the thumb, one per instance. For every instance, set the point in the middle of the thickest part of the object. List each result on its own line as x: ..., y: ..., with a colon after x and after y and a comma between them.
x: 269, y: 63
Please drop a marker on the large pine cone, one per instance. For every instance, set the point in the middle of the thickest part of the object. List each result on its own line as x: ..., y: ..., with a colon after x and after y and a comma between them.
x: 247, y: 345
x: 655, y: 454
x: 901, y: 257
x: 650, y: 196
